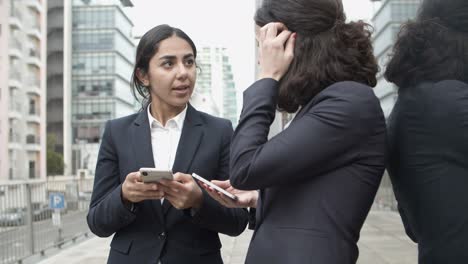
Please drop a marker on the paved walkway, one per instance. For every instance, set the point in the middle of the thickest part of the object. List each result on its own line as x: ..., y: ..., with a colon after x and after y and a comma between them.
x: 383, y: 241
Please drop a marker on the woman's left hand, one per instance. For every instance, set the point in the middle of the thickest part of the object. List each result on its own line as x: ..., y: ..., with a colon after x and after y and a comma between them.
x: 276, y: 50
x: 182, y: 192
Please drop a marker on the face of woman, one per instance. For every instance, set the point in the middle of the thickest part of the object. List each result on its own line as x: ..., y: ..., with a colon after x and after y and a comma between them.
x: 171, y: 74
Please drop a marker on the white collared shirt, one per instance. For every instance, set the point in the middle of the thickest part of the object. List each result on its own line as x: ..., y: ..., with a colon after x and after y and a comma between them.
x: 165, y: 139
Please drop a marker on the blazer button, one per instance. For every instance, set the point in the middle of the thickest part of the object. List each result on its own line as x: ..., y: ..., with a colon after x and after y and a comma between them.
x: 162, y: 236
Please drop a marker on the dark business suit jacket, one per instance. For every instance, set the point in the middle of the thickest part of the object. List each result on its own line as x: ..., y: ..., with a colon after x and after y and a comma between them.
x: 156, y: 231
x: 428, y: 166
x: 317, y: 178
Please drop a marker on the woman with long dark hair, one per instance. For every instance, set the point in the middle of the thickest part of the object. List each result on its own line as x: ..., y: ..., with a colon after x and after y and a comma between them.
x: 169, y: 221
x: 317, y: 179
x: 428, y: 130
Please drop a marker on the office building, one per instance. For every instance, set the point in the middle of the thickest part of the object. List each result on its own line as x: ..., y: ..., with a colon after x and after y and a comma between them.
x: 215, y: 82
x: 91, y: 58
x: 22, y: 89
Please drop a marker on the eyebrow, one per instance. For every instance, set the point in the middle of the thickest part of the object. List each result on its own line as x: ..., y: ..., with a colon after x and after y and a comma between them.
x: 172, y: 57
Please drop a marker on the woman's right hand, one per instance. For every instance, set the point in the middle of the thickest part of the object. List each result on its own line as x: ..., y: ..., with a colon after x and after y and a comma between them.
x: 244, y: 198
x: 135, y: 190
x: 276, y: 50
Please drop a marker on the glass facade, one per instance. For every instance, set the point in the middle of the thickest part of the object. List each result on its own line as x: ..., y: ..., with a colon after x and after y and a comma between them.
x: 102, y: 64
x: 216, y: 81
x: 101, y: 54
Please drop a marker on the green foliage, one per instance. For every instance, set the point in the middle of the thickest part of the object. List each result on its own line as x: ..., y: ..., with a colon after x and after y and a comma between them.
x: 55, y: 163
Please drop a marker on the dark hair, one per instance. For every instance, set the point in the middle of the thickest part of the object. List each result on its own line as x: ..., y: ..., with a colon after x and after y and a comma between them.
x: 327, y: 49
x: 433, y: 47
x: 147, y: 47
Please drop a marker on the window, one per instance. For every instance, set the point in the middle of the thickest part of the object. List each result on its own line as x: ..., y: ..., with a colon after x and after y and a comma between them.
x: 32, y: 106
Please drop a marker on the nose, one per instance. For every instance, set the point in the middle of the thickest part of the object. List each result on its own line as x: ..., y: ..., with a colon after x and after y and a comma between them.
x: 182, y: 71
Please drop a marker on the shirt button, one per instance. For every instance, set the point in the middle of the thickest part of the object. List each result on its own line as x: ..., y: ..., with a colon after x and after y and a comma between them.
x: 162, y: 236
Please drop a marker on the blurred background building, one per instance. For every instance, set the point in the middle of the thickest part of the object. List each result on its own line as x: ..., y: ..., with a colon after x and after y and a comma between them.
x: 22, y: 94
x: 90, y: 56
x: 215, y: 84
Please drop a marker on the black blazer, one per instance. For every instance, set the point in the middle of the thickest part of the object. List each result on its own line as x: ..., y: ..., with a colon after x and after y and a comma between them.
x: 158, y: 231
x: 317, y: 178
x: 428, y: 166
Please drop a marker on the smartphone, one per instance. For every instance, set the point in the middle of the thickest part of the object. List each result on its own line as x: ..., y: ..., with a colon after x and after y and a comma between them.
x: 154, y: 175
x: 214, y: 186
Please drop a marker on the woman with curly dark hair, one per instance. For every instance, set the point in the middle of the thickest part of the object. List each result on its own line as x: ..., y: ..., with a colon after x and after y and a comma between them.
x: 428, y: 130
x: 318, y: 178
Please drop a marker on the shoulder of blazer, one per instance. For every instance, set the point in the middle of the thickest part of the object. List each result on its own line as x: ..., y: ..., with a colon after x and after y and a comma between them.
x: 209, y: 120
x: 123, y: 122
x: 347, y: 89
x: 360, y: 94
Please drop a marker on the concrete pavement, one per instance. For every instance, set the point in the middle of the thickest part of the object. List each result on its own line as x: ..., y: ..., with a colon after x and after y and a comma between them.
x: 383, y: 241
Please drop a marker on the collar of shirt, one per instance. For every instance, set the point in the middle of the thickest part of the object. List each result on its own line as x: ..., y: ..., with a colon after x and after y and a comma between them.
x: 177, y: 120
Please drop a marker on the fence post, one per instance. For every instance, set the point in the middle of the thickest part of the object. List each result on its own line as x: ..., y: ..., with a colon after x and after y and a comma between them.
x: 29, y: 218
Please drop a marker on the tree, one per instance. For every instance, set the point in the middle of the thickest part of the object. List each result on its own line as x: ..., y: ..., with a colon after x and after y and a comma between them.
x: 55, y: 163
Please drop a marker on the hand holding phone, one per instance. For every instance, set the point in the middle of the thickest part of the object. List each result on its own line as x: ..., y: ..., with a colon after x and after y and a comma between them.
x: 214, y: 186
x: 154, y: 175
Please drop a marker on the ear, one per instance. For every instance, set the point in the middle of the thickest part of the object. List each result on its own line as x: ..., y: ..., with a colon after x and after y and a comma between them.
x: 142, y: 76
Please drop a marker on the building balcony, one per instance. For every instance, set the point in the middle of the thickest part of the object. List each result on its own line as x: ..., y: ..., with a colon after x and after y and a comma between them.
x: 35, y: 61
x: 15, y: 83
x: 16, y: 23
x: 33, y: 118
x: 33, y: 90
x: 15, y: 114
x: 35, y: 5
x: 36, y: 147
x: 15, y: 53
x: 35, y: 32
x: 15, y: 145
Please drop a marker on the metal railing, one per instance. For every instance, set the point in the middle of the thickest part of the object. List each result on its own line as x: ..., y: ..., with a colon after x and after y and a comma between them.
x: 26, y: 226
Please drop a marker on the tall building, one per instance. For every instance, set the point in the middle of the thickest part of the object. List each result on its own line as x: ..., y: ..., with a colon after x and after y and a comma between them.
x: 57, y: 81
x: 387, y: 21
x: 91, y: 60
x: 22, y: 89
x: 102, y: 64
x: 215, y: 82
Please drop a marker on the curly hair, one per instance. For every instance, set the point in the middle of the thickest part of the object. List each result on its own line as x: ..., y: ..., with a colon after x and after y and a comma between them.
x: 327, y: 49
x: 433, y: 47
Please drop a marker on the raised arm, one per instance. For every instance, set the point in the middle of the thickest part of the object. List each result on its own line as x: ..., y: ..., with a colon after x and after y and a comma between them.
x: 325, y: 137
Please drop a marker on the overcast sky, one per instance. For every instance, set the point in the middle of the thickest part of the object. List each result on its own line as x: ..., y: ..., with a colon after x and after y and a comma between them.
x: 227, y: 23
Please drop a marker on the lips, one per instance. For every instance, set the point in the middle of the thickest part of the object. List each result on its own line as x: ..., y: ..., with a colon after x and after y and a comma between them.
x: 181, y: 87
x: 181, y: 90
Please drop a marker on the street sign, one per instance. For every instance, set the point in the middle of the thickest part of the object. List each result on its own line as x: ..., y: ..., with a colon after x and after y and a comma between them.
x: 56, y: 201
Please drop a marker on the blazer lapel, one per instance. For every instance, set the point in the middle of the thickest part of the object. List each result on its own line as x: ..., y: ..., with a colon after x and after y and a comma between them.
x: 190, y: 139
x: 143, y: 152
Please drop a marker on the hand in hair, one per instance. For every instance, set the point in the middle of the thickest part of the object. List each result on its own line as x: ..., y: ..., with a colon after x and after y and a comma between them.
x: 276, y: 51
